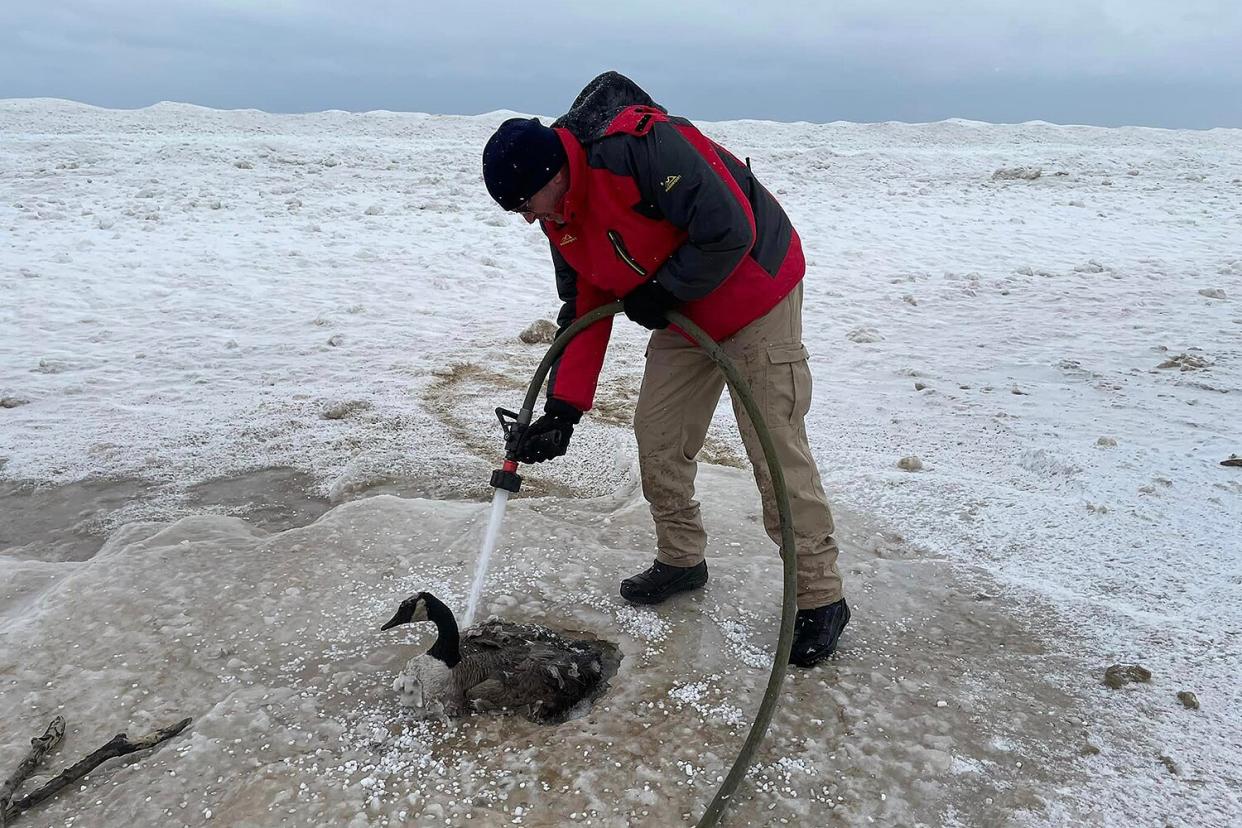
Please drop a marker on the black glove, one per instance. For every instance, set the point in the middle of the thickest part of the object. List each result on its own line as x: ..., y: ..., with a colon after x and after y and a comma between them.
x: 548, y: 437
x: 647, y: 303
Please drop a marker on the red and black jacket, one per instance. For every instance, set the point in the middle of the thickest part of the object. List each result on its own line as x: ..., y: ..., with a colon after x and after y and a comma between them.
x: 650, y: 197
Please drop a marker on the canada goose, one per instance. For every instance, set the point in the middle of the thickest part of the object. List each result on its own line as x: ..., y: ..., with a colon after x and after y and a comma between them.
x: 499, y: 667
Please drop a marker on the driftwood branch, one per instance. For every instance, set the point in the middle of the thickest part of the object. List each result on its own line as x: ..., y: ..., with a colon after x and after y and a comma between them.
x: 39, y: 747
x: 118, y: 745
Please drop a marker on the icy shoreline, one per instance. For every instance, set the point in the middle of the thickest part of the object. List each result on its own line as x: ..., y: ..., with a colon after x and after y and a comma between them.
x: 941, y: 708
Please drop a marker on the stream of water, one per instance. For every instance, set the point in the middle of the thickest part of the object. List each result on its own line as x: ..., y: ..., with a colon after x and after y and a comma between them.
x: 499, y: 501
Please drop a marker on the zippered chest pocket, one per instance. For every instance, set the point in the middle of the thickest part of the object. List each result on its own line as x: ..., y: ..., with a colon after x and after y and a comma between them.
x: 618, y: 246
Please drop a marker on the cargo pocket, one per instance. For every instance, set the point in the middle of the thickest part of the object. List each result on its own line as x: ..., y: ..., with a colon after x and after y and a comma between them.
x: 789, y: 384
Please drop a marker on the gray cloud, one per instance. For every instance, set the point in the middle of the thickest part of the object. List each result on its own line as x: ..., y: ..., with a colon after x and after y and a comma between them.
x: 1093, y: 61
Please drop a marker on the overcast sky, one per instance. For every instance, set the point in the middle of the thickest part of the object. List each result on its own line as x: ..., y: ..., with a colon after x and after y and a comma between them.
x: 1174, y: 63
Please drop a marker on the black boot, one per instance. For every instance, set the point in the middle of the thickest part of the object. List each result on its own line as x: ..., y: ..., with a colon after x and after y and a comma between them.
x: 816, y: 632
x: 660, y: 581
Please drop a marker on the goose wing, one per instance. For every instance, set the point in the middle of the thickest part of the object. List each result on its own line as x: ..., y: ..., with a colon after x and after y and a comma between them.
x: 527, y: 670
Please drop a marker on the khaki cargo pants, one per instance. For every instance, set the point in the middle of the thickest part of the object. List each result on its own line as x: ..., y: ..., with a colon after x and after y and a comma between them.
x: 680, y: 391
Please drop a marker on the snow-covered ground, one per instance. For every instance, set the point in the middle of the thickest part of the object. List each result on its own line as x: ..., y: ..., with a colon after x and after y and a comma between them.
x: 233, y: 313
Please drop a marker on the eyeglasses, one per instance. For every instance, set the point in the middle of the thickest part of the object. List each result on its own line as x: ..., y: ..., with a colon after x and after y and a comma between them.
x: 524, y: 207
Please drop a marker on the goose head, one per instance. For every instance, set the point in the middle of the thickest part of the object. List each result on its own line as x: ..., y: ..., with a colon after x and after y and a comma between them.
x: 414, y: 608
x: 424, y: 606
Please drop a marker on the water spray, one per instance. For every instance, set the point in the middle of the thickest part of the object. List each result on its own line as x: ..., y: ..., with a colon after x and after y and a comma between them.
x: 506, y: 481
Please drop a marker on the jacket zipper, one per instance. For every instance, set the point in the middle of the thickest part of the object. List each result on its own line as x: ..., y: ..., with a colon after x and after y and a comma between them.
x: 619, y: 246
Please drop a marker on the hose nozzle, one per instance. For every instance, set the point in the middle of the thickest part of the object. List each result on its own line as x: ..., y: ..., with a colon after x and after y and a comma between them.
x: 514, y: 426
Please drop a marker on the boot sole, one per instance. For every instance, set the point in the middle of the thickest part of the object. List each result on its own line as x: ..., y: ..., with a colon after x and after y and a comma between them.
x: 819, y: 659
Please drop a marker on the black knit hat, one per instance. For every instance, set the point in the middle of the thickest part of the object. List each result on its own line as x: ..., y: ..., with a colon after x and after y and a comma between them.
x: 519, y: 159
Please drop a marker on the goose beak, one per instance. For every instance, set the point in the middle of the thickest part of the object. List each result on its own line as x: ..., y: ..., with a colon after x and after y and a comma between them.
x: 394, y: 621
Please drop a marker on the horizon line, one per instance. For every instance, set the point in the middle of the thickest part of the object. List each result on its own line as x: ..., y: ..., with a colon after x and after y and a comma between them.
x: 515, y: 113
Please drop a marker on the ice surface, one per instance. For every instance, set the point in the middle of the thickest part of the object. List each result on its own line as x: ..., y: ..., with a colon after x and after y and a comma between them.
x: 191, y: 299
x: 272, y: 643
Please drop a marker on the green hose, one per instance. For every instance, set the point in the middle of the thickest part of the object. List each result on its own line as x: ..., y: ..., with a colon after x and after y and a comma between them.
x: 741, y: 392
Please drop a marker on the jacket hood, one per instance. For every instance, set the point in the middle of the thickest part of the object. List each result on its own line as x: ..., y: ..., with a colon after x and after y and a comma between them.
x: 599, y: 103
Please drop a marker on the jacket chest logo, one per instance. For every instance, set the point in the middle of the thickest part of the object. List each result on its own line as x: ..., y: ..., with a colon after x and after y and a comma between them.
x: 568, y: 239
x: 671, y: 182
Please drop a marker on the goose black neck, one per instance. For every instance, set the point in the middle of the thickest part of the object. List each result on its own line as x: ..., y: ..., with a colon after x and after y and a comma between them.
x: 448, y: 643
